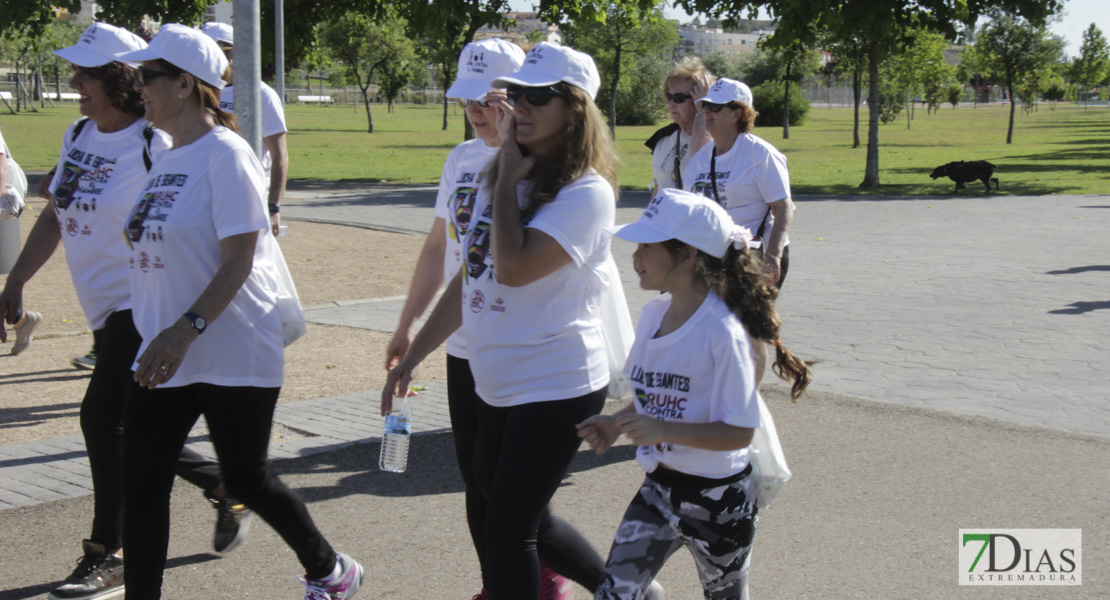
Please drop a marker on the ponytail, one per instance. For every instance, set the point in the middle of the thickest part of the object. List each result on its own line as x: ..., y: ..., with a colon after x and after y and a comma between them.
x: 738, y: 280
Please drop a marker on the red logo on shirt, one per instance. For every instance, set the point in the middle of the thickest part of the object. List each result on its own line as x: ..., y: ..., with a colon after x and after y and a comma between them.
x: 71, y: 226
x: 144, y: 262
x: 477, y: 301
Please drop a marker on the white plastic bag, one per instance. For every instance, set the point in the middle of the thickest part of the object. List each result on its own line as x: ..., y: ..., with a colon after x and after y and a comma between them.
x: 293, y: 324
x: 617, y: 329
x: 767, y: 458
x: 14, y: 192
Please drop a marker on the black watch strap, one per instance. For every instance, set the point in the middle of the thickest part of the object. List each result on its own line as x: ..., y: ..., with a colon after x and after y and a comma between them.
x: 198, y: 322
x: 274, y: 209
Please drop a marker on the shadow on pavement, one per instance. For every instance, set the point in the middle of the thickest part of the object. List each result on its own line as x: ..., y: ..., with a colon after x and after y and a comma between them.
x: 1076, y: 270
x: 432, y: 469
x: 1078, y: 308
x: 35, y: 415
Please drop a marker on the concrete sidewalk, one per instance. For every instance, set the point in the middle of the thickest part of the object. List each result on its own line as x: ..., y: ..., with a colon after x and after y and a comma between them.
x: 961, y: 341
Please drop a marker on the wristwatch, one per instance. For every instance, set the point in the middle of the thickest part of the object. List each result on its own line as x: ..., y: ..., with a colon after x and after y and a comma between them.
x: 274, y: 209
x: 198, y: 323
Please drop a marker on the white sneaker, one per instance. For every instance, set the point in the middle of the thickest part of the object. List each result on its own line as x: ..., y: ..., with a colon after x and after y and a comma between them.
x: 340, y: 587
x: 654, y: 591
x: 25, y: 330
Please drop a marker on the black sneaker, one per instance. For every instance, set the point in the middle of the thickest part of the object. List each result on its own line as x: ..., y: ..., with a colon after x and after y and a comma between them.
x: 99, y: 575
x: 233, y: 520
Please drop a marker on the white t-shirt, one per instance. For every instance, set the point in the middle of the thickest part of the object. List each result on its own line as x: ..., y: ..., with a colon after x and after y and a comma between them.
x: 273, y: 117
x: 196, y: 196
x: 96, y: 181
x: 662, y: 159
x: 751, y: 175
x: 701, y: 373
x: 458, y: 190
x: 540, y: 341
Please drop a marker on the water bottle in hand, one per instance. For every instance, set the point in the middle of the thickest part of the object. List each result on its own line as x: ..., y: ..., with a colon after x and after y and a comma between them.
x: 395, y: 437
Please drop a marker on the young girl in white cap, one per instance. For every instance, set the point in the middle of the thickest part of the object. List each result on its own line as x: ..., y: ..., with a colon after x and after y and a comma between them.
x: 464, y: 173
x: 203, y: 283
x: 527, y: 300
x: 696, y: 403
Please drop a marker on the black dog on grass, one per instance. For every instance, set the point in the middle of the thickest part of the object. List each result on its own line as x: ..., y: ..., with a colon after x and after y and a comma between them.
x: 965, y: 172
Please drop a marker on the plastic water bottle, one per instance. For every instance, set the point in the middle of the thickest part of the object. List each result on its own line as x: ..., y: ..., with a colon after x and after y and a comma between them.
x: 395, y: 437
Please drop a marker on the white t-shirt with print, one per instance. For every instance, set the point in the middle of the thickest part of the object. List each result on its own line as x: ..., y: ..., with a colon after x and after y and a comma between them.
x: 541, y: 341
x: 662, y: 159
x: 751, y: 175
x: 196, y: 196
x: 273, y: 117
x: 701, y: 373
x: 458, y: 191
x: 96, y: 181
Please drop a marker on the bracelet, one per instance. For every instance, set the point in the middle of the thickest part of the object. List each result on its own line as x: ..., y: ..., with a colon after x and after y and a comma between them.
x: 274, y: 209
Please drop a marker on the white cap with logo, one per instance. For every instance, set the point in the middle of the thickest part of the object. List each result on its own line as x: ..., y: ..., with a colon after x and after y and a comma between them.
x: 728, y: 90
x: 548, y: 64
x: 480, y: 63
x: 101, y: 44
x: 689, y: 218
x: 221, y: 33
x: 187, y: 49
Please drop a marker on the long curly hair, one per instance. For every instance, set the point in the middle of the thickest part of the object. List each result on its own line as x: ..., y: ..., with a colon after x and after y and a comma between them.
x: 119, y: 85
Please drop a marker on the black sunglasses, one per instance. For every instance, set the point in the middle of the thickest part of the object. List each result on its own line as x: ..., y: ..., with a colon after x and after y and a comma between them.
x: 537, y: 96
x: 716, y: 108
x: 145, y: 75
x: 679, y: 98
x: 465, y: 102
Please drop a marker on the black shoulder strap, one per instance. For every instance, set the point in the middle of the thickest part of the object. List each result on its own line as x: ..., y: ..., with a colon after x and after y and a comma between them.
x: 713, y: 173
x: 658, y: 135
x: 148, y: 136
x: 77, y: 127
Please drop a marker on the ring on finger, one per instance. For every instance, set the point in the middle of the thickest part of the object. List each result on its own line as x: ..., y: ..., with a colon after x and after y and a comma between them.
x: 164, y: 368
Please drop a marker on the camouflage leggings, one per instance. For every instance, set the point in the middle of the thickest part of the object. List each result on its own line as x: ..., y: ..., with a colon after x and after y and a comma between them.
x: 716, y: 524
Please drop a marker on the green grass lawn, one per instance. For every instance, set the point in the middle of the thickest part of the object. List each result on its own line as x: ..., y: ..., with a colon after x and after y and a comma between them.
x: 1066, y: 150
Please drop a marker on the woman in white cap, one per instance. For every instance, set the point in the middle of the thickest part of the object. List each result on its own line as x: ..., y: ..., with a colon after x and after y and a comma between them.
x: 673, y: 145
x: 442, y: 256
x: 696, y: 402
x: 527, y: 301
x: 101, y: 169
x: 203, y: 285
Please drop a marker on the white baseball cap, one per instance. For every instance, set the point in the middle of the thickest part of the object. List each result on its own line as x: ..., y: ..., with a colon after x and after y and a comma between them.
x: 187, y: 49
x: 101, y: 44
x: 481, y: 62
x: 221, y: 33
x: 728, y: 90
x: 548, y: 64
x: 691, y: 218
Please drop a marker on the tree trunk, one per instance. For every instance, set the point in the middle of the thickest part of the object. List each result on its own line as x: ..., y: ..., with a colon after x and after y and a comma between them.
x: 857, y: 92
x: 366, y: 103
x: 446, y: 84
x: 1013, y: 107
x: 613, y: 94
x: 909, y: 107
x: 871, y: 174
x: 786, y: 101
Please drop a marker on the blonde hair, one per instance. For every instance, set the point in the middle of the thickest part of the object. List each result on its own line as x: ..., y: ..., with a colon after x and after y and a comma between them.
x: 207, y: 95
x: 585, y: 146
x: 692, y: 69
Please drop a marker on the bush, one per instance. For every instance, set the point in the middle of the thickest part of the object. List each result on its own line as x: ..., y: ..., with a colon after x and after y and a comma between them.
x: 639, y: 93
x: 768, y: 102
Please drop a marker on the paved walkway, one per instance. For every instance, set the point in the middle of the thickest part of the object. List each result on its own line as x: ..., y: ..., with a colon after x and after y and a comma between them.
x: 989, y: 306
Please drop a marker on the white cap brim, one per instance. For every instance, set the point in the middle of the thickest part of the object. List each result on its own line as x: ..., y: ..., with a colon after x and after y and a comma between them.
x: 717, y: 99
x: 83, y: 57
x: 150, y: 54
x: 526, y: 79
x: 639, y: 233
x: 468, y: 89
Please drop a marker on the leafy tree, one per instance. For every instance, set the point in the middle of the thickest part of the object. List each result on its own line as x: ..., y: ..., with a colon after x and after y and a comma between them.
x: 30, y: 18
x: 953, y: 93
x: 1093, y: 64
x: 920, y: 67
x: 723, y: 66
x: 368, y: 49
x: 1016, y: 51
x: 771, y: 98
x: 880, y: 23
x: 129, y: 13
x: 1055, y: 89
x: 849, y: 50
x: 626, y: 32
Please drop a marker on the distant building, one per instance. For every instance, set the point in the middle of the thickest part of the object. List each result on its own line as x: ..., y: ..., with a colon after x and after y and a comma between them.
x: 220, y: 12
x: 86, y: 15
x: 526, y: 25
x: 700, y: 41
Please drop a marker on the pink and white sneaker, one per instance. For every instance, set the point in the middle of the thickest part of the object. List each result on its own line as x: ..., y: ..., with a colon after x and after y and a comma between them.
x: 554, y: 586
x: 340, y: 587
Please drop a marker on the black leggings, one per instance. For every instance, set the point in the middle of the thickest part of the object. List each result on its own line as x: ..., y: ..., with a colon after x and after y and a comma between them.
x: 116, y: 345
x: 521, y: 455
x: 239, y: 421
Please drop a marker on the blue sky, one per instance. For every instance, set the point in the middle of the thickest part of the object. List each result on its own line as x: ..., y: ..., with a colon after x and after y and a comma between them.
x: 1079, y: 14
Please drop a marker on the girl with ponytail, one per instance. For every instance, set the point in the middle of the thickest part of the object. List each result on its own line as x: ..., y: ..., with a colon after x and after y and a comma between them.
x: 696, y: 405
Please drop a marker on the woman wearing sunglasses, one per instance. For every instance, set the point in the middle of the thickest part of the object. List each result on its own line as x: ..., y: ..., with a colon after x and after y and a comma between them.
x: 203, y: 281
x: 747, y: 176
x: 672, y: 146
x: 442, y: 256
x: 526, y: 299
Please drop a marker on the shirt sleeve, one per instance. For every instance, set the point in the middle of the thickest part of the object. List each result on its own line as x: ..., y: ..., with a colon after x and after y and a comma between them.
x: 576, y: 218
x: 447, y: 183
x: 734, y: 391
x: 237, y: 192
x: 770, y: 175
x: 273, y: 115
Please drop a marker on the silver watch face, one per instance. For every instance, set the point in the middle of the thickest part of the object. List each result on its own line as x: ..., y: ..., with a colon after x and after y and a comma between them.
x: 199, y: 323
